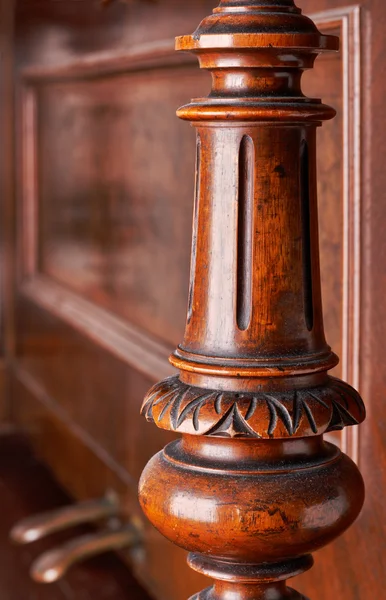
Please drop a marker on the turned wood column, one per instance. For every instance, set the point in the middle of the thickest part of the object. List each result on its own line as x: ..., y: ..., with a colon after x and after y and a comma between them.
x: 252, y: 489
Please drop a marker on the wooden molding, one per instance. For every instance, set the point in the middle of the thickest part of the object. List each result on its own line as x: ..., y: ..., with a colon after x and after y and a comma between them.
x: 129, y: 343
x: 65, y: 429
x: 28, y: 241
x: 347, y: 21
x: 152, y: 55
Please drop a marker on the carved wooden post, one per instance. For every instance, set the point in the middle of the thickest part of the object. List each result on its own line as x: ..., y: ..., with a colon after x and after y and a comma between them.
x: 252, y: 489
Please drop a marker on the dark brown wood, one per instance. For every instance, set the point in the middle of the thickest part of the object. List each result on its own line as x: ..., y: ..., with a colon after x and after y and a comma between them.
x: 27, y: 486
x: 6, y: 197
x: 253, y: 398
x: 76, y: 389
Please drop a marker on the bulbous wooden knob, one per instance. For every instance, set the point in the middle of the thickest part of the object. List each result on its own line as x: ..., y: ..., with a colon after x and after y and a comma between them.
x: 252, y: 501
x: 241, y: 505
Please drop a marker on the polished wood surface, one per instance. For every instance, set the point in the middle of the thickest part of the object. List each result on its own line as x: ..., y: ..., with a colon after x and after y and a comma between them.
x: 247, y: 499
x: 81, y: 366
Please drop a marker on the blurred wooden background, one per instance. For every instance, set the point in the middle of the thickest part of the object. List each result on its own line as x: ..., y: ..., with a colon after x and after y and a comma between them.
x: 97, y: 177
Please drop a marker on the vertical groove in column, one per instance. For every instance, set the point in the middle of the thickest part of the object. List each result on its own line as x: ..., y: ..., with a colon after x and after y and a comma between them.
x: 245, y: 233
x: 194, y: 230
x: 306, y: 235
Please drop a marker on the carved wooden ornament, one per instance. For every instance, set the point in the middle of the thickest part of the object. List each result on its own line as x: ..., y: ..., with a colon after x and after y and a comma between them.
x: 252, y: 489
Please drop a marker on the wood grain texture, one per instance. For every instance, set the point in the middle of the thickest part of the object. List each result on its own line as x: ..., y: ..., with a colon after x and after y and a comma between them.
x: 104, y: 258
x: 7, y: 209
x: 52, y: 35
x: 108, y: 259
x: 126, y: 341
x: 372, y: 346
x: 341, y: 234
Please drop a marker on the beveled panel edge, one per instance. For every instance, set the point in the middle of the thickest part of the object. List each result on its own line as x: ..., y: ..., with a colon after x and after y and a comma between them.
x: 4, y: 399
x: 124, y: 340
x: 348, y: 21
x: 27, y: 239
x: 151, y: 55
x: 48, y: 421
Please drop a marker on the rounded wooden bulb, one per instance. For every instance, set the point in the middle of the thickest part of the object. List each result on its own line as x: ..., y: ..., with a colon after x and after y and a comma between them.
x: 252, y: 501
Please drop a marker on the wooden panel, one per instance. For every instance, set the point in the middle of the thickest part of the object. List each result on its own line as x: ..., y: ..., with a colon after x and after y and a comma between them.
x: 95, y: 394
x: 116, y: 205
x: 96, y: 219
x: 337, y: 79
x: 6, y: 197
x: 353, y: 566
x: 89, y: 389
x: 108, y: 225
x: 6, y: 141
x: 126, y: 341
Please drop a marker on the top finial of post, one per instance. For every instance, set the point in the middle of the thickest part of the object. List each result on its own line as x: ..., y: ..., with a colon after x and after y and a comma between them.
x: 275, y: 24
